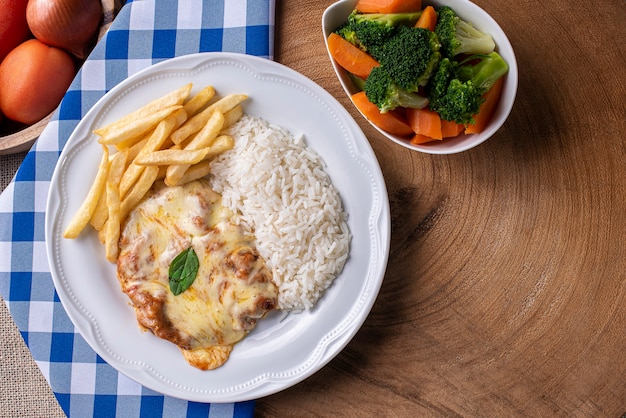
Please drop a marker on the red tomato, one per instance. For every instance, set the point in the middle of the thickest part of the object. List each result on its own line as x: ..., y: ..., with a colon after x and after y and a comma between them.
x: 33, y: 79
x: 13, y: 29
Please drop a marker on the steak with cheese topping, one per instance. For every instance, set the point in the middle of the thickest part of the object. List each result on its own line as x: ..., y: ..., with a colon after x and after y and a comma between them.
x: 233, y: 286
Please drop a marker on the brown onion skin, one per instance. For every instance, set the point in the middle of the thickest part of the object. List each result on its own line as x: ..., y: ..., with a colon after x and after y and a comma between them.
x: 68, y: 24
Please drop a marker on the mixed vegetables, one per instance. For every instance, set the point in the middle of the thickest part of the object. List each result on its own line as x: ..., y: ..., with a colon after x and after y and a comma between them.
x: 426, y: 74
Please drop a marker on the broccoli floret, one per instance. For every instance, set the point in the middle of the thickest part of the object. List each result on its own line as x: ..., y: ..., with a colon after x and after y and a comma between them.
x: 373, y: 29
x: 346, y: 31
x: 369, y: 31
x: 484, y: 73
x: 458, y: 36
x: 455, y: 90
x: 440, y: 80
x: 386, y: 95
x: 410, y: 57
x: 461, y: 101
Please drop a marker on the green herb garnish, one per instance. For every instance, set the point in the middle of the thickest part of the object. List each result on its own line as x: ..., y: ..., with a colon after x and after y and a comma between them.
x: 183, y: 271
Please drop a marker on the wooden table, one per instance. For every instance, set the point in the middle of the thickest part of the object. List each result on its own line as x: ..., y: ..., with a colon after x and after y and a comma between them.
x: 505, y: 293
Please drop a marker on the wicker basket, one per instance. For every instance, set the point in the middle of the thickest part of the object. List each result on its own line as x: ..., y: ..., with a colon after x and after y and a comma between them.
x: 22, y: 140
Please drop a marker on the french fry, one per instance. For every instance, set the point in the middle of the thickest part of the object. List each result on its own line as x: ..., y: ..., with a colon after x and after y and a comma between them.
x: 101, y: 214
x: 162, y: 171
x: 174, y: 98
x: 183, y: 145
x: 139, y: 190
x: 117, y: 165
x: 136, y: 127
x: 132, y: 141
x: 153, y: 143
x: 112, y: 231
x: 87, y: 208
x: 179, y: 116
x: 135, y: 149
x: 172, y: 157
x: 174, y: 174
x: 203, y: 139
x: 232, y: 116
x: 195, y: 123
x: 196, y: 172
x: 163, y: 131
x: 112, y: 234
x: 130, y: 176
x: 199, y: 100
x: 208, y: 133
x: 221, y: 144
x: 103, y: 230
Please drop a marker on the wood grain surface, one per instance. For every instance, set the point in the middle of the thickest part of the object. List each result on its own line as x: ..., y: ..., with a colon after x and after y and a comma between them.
x: 505, y: 292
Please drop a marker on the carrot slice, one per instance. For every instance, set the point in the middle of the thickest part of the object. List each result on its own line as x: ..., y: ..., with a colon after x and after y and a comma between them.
x: 421, y: 139
x: 388, y: 6
x: 487, y: 108
x: 428, y: 19
x: 450, y: 128
x: 389, y: 122
x: 350, y: 57
x: 425, y: 122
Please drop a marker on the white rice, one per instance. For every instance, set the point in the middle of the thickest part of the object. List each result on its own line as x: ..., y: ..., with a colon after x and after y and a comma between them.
x: 288, y: 201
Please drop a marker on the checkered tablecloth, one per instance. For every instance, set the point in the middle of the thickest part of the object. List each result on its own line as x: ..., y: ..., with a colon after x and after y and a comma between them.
x: 143, y: 33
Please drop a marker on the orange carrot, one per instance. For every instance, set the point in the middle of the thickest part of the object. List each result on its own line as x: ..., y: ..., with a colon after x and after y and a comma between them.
x: 389, y: 122
x: 421, y: 139
x: 450, y: 128
x: 428, y: 19
x: 425, y: 122
x: 350, y: 57
x: 388, y: 6
x: 487, y: 108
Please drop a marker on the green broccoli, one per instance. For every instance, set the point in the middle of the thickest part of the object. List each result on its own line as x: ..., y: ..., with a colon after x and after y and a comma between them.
x: 374, y: 29
x: 455, y: 91
x: 410, y: 57
x: 440, y: 80
x: 381, y: 90
x: 484, y: 73
x: 461, y: 101
x: 346, y: 31
x: 460, y: 37
x: 369, y: 31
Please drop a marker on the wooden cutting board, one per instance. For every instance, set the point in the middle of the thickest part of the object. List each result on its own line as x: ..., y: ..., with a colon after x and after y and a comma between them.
x: 505, y: 292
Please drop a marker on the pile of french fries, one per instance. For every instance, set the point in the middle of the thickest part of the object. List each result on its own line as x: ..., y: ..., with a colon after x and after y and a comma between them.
x: 172, y: 138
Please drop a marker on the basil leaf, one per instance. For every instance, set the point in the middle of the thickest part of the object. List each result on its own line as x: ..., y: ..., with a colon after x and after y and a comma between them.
x: 183, y: 271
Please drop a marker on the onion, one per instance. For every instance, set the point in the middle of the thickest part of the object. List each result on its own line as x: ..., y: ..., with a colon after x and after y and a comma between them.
x: 67, y: 24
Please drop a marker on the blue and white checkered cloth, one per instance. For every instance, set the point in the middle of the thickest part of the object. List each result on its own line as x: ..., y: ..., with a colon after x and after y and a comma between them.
x: 143, y: 33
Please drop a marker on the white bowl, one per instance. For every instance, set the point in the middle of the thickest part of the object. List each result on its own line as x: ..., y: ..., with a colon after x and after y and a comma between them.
x: 338, y: 13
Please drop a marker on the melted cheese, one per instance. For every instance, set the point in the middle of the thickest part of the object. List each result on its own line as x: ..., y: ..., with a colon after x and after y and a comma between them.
x: 232, y: 289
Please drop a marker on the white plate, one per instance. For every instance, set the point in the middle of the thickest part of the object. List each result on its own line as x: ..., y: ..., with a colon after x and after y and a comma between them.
x: 281, y: 351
